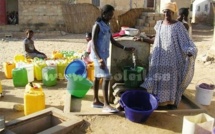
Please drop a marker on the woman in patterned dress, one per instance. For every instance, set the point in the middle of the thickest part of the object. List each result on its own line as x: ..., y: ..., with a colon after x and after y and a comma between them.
x: 172, y: 61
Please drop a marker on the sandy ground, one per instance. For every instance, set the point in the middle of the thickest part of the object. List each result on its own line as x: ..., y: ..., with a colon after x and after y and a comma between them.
x: 157, y: 123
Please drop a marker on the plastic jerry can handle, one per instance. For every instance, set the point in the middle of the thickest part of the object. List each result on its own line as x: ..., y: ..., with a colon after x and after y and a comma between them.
x: 31, y: 84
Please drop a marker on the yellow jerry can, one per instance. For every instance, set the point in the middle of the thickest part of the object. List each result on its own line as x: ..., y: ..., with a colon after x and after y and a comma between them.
x: 90, y: 71
x: 34, y: 98
x: 38, y: 66
x: 8, y: 67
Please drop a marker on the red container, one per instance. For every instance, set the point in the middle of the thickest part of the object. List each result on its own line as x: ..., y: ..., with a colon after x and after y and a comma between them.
x: 3, y: 14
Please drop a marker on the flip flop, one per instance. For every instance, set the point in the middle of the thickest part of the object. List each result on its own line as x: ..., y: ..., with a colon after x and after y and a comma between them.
x: 109, y: 110
x: 96, y: 106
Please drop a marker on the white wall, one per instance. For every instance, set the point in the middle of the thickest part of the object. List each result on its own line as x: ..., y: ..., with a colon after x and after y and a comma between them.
x: 200, y: 4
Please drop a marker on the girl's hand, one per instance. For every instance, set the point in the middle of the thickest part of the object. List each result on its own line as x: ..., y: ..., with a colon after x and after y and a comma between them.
x: 129, y: 49
x: 136, y: 38
x: 101, y: 64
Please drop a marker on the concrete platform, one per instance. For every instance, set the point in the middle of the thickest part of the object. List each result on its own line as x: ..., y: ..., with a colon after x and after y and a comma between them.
x: 82, y: 106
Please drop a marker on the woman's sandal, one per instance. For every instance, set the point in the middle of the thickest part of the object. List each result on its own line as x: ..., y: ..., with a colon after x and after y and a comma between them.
x: 96, y: 106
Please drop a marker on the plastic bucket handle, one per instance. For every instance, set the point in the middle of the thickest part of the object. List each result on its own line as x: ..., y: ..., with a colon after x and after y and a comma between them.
x: 122, y: 104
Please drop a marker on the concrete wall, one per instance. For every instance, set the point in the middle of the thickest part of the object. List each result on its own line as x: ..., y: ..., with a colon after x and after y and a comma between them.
x: 40, y: 12
x: 119, y: 5
x: 123, y: 5
x: 201, y: 4
x: 200, y: 16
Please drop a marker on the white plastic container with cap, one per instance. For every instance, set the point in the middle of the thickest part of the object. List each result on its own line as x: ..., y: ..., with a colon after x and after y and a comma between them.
x: 52, y: 63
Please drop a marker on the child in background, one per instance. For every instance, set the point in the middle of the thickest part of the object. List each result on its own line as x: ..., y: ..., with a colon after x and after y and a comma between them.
x: 183, y: 17
x: 86, y: 56
x: 29, y: 48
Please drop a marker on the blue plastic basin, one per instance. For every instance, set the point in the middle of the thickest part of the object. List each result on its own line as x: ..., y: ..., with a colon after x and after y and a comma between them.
x: 138, y: 105
x: 77, y: 67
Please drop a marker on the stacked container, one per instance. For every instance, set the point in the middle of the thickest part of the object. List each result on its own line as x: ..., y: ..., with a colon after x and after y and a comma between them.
x: 34, y: 98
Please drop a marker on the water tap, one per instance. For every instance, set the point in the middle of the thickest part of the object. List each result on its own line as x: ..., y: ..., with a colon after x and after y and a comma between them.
x: 134, y: 59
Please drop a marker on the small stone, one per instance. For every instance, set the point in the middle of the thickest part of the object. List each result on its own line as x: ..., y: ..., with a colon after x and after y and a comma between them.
x: 18, y: 107
x: 204, y: 58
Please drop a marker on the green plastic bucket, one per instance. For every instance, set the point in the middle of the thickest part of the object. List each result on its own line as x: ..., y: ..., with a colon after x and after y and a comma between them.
x: 77, y: 85
x: 49, y: 76
x: 20, y: 77
x: 133, y: 77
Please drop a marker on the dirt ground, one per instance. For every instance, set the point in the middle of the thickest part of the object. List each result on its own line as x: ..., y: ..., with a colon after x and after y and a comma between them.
x: 157, y: 123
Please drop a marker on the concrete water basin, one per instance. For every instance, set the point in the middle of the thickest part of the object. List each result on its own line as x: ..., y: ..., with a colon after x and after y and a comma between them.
x: 48, y: 121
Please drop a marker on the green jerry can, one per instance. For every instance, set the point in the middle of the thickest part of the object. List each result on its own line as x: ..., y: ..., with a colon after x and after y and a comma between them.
x: 20, y: 77
x: 49, y: 76
x: 133, y: 77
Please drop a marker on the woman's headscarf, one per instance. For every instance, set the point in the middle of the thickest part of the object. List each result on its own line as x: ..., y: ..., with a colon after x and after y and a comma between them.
x: 171, y: 6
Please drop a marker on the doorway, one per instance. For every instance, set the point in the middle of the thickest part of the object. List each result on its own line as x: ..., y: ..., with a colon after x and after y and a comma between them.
x: 12, y: 12
x: 3, y: 12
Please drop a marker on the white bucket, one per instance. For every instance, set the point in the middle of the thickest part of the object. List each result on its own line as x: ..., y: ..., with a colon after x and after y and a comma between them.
x: 198, y: 124
x: 203, y: 96
x: 30, y: 72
